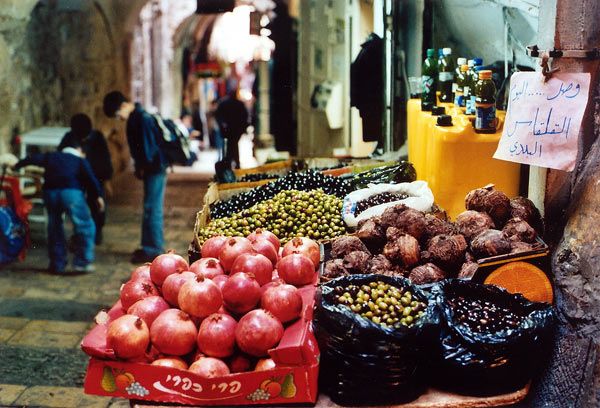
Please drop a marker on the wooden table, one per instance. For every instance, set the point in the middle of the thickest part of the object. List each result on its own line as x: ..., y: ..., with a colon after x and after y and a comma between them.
x: 433, y: 398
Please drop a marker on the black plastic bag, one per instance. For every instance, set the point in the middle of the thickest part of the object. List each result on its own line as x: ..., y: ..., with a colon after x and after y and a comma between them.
x: 363, y: 362
x: 490, y: 362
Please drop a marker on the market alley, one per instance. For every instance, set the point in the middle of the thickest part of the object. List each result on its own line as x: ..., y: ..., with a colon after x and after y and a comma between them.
x: 43, y: 317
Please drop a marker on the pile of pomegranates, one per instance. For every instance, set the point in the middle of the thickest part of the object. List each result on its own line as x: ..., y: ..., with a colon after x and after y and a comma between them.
x: 222, y: 313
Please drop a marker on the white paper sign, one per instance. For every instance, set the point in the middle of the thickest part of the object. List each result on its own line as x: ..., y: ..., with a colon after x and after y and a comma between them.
x: 543, y: 119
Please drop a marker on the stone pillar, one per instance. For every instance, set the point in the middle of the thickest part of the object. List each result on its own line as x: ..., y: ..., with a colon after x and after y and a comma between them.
x: 572, y: 200
x: 265, y: 138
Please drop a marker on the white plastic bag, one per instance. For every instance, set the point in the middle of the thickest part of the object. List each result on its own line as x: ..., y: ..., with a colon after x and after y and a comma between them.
x: 419, y: 198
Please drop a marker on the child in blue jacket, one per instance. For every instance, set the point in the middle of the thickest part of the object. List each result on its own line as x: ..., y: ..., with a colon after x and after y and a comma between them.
x: 67, y: 177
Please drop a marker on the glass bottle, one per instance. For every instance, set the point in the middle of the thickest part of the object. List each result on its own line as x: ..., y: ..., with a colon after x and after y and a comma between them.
x: 460, y: 80
x: 485, y: 103
x: 446, y: 75
x: 428, y: 78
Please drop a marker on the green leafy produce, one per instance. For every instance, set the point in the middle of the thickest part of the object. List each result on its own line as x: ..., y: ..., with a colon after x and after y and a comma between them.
x: 402, y: 172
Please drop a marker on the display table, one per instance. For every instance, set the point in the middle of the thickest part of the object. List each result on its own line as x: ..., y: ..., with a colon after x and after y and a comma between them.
x: 433, y: 398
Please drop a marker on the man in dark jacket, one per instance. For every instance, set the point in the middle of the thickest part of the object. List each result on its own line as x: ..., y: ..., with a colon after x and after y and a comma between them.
x: 232, y: 117
x: 143, y: 135
x: 67, y: 177
x: 97, y: 154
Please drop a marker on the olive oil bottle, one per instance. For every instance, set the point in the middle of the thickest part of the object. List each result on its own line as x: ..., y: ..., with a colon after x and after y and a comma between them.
x: 485, y: 103
x: 428, y: 79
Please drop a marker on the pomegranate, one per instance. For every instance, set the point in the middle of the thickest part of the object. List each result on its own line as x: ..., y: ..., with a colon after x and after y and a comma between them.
x: 172, y: 362
x: 304, y: 246
x: 257, y: 332
x: 264, y: 364
x: 257, y: 264
x: 239, y: 364
x: 220, y: 280
x: 216, y: 336
x: 136, y: 290
x: 296, y: 269
x: 141, y: 272
x: 265, y: 247
x: 128, y: 336
x: 241, y: 293
x: 148, y: 308
x: 173, y: 333
x: 233, y: 248
x: 283, y: 301
x: 209, y: 367
x: 212, y: 247
x: 274, y: 282
x: 209, y: 267
x: 260, y: 233
x: 172, y: 285
x: 165, y: 265
x: 200, y: 297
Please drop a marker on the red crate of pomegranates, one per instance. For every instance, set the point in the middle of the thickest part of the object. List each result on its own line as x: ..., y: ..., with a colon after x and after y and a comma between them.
x: 292, y: 380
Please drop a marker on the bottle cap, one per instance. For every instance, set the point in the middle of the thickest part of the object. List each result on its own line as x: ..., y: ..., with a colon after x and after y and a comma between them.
x: 444, y: 120
x: 447, y: 51
x: 438, y: 110
x: 430, y: 52
x: 470, y: 63
x: 461, y: 61
x: 477, y: 61
x: 464, y: 68
x: 441, y: 52
x: 485, y: 74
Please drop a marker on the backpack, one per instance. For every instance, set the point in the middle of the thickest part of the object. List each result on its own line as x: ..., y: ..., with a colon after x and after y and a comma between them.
x: 175, y: 144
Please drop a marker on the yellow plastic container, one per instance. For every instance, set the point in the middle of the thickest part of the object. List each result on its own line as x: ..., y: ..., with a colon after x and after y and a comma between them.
x: 459, y: 160
x: 413, y: 110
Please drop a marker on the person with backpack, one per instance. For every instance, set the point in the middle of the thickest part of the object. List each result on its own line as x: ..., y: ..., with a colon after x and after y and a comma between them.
x: 144, y: 137
x: 67, y: 178
x: 97, y: 154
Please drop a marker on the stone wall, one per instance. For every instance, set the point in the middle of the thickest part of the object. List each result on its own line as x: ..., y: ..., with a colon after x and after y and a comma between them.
x: 58, y: 58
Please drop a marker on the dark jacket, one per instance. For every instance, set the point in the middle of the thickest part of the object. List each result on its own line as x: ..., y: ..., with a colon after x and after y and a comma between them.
x: 232, y: 117
x: 64, y: 170
x: 366, y: 87
x: 96, y: 152
x: 143, y: 135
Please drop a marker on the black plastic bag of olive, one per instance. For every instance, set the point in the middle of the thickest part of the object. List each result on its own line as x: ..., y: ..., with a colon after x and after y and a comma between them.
x: 491, y: 341
x: 363, y: 362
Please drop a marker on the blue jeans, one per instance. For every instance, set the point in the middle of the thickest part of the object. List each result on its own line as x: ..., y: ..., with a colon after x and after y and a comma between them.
x: 152, y: 220
x: 70, y: 201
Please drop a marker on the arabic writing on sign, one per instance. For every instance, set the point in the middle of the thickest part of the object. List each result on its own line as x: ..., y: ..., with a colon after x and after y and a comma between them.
x: 543, y: 119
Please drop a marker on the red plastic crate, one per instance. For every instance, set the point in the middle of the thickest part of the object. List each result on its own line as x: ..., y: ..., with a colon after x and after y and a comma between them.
x: 293, y: 381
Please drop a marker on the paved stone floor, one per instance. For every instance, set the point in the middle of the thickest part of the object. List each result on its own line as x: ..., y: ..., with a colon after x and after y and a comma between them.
x: 44, y: 317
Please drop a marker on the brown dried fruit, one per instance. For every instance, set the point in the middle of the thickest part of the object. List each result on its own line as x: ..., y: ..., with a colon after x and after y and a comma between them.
x: 379, y: 264
x: 491, y: 201
x: 521, y: 207
x: 427, y: 273
x: 372, y: 234
x: 357, y: 261
x: 436, y: 226
x: 447, y: 251
x: 468, y: 270
x: 334, y: 268
x: 407, y: 220
x: 342, y: 246
x: 472, y: 223
x: 402, y: 248
x: 517, y: 229
x: 519, y: 246
x: 391, y: 214
x: 490, y: 243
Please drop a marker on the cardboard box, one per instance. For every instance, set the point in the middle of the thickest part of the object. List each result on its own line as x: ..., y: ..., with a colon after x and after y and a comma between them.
x: 293, y: 381
x: 539, y: 257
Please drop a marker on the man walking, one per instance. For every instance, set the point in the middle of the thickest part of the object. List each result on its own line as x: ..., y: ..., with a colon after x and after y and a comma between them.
x: 143, y: 135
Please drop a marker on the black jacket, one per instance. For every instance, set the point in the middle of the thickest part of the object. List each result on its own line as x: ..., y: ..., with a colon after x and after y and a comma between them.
x: 96, y: 152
